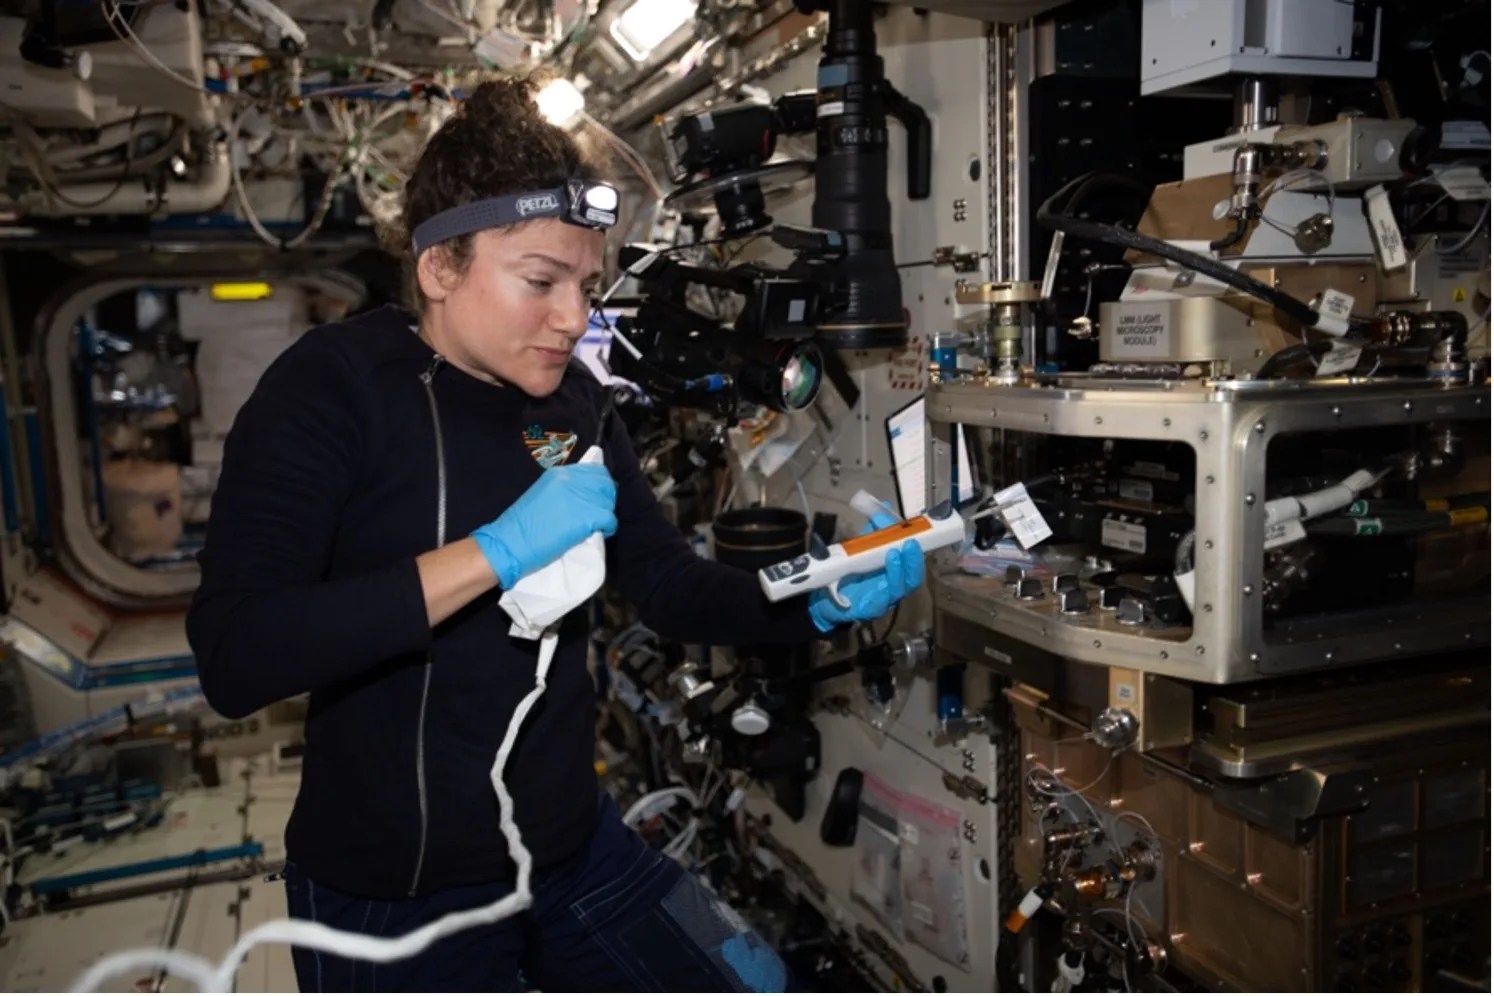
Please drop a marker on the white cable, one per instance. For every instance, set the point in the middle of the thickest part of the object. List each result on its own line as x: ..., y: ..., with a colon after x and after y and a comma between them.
x: 1316, y: 503
x: 348, y: 944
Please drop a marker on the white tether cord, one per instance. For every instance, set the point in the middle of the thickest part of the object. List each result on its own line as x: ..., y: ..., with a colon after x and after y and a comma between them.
x: 308, y: 934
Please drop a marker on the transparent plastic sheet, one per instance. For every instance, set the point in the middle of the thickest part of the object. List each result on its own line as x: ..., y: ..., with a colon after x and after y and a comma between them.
x: 933, y: 879
x: 875, y: 878
x: 881, y: 716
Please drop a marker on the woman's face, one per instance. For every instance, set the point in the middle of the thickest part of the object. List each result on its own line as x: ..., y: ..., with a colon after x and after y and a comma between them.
x: 521, y: 306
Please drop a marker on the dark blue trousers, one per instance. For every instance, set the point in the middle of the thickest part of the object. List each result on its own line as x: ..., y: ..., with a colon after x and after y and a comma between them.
x: 619, y: 917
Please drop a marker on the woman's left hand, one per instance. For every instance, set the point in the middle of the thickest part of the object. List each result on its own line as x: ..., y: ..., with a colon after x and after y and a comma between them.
x: 870, y: 596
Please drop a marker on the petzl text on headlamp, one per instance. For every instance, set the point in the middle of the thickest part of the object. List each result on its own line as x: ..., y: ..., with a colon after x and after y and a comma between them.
x: 590, y: 205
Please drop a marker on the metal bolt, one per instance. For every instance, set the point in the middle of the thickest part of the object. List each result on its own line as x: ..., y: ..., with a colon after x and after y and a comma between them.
x: 1099, y: 420
x: 1208, y: 607
x: 1162, y: 654
x: 1255, y: 658
x: 1250, y: 498
x: 1337, y: 412
x: 1328, y: 656
x: 1097, y: 644
x: 1203, y: 435
x: 1260, y: 427
x: 1166, y: 422
x: 1199, y: 650
x: 1247, y: 590
x: 1407, y: 406
x: 1209, y: 479
x: 1208, y: 544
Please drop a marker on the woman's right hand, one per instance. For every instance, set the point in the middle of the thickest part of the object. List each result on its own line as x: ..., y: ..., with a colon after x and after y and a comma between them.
x: 566, y: 505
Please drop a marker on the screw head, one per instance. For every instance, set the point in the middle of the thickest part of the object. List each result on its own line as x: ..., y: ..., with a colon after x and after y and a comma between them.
x: 1250, y: 498
x: 1247, y: 590
x: 1260, y: 427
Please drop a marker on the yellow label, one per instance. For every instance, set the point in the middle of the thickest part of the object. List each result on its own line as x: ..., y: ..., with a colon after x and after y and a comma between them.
x: 1437, y: 505
x: 1468, y: 516
x: 1459, y: 296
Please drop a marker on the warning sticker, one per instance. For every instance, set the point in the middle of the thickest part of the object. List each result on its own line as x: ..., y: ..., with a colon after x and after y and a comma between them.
x: 1142, y: 332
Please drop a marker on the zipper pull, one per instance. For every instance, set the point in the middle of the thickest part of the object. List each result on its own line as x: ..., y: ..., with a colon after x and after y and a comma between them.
x: 429, y: 373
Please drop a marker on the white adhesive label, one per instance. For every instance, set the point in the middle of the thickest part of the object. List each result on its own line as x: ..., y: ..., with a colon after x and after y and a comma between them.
x: 1123, y: 535
x: 997, y: 655
x: 1334, y: 312
x: 1464, y: 183
x: 735, y: 800
x: 1389, y: 245
x: 1465, y: 135
x: 830, y: 109
x: 1125, y: 693
x: 1339, y: 359
x: 1282, y: 533
x: 1143, y: 331
x: 1022, y: 516
x: 1134, y: 490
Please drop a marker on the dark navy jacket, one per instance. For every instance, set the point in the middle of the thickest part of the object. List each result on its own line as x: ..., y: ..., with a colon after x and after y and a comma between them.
x: 329, y: 492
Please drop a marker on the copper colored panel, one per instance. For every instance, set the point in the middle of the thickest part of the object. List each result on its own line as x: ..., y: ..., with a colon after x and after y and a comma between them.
x: 1232, y: 938
x: 1160, y: 797
x: 1215, y: 837
x: 1281, y: 872
x: 1084, y: 764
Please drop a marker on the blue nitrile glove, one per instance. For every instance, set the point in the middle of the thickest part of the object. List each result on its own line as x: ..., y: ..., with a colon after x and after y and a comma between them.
x: 566, y: 505
x: 871, y: 595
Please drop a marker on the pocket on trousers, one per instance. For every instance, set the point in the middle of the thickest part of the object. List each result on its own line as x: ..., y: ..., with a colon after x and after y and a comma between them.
x: 600, y: 906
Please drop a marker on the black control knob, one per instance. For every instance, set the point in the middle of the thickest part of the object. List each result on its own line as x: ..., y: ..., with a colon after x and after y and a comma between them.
x: 1073, y: 601
x: 1030, y: 589
x: 1065, y: 582
x: 1110, y: 597
x: 1014, y: 576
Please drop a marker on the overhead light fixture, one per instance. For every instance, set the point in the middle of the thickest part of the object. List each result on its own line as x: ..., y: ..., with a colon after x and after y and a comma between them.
x: 245, y: 291
x: 560, y: 102
x: 643, y: 26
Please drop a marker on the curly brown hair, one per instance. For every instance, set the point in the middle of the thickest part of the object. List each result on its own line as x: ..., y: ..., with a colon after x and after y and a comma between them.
x: 496, y: 143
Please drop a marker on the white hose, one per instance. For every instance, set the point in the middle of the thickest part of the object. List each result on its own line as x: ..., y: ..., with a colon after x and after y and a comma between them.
x: 1316, y: 503
x: 307, y: 934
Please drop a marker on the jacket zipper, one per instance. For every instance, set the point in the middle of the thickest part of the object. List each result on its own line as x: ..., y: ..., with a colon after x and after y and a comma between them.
x: 426, y: 379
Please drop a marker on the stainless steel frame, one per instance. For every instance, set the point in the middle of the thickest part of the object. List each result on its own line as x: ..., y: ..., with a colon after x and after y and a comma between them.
x: 1230, y: 425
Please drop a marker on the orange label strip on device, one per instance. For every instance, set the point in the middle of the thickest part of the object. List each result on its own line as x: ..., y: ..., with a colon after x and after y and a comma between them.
x: 906, y: 529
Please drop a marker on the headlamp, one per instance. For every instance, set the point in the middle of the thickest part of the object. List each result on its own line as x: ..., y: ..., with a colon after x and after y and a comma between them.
x: 579, y: 202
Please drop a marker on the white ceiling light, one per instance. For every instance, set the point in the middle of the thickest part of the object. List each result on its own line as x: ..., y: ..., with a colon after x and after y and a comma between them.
x: 560, y: 102
x: 645, y: 24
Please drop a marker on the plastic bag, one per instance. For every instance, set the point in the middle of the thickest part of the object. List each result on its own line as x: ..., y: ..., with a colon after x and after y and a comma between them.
x: 875, y: 880
x: 933, y: 879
